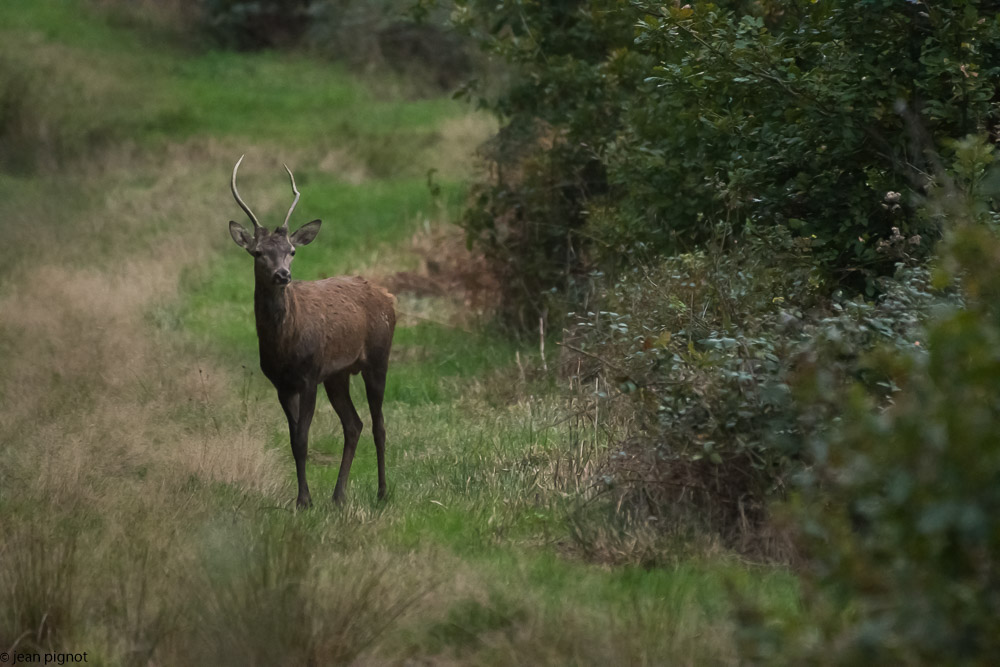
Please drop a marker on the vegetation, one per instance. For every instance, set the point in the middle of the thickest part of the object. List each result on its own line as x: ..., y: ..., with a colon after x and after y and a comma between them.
x: 711, y: 382
x: 362, y: 33
x: 146, y: 504
x: 737, y: 204
x: 898, y: 513
x: 635, y: 129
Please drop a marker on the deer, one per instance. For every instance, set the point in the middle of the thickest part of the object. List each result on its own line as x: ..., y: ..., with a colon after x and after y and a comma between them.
x: 317, y: 332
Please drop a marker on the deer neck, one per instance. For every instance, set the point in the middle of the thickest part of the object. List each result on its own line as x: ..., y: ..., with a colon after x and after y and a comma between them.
x: 272, y: 305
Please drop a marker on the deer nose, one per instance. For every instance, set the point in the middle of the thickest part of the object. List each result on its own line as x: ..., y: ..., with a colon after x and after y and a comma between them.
x: 282, y: 276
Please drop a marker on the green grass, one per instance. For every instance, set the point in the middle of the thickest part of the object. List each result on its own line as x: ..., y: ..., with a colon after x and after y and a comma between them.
x: 159, y: 475
x: 91, y: 85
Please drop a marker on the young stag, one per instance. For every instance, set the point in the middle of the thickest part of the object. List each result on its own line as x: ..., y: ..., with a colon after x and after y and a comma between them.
x: 313, y: 332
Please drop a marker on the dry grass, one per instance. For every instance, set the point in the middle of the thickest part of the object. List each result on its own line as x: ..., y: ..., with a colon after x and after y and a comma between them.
x: 94, y: 453
x: 87, y: 363
x: 457, y: 136
x: 179, y: 17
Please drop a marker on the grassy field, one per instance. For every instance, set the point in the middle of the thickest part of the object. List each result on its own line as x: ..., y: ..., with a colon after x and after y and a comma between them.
x: 146, y: 484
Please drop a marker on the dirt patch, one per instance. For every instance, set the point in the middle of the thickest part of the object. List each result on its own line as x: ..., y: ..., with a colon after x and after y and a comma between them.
x: 447, y: 270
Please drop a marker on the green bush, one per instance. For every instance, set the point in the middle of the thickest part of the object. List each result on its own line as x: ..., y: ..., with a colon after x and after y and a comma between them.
x: 898, y: 516
x: 633, y: 129
x: 560, y: 102
x: 807, y: 115
x: 706, y: 351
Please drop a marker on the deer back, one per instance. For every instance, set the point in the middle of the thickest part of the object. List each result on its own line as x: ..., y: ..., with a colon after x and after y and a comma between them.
x: 311, y: 330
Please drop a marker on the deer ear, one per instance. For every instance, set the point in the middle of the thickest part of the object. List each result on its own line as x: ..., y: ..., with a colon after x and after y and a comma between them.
x: 240, y: 235
x: 305, y: 234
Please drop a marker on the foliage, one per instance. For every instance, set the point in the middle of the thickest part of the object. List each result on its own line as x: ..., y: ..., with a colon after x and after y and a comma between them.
x: 633, y: 128
x: 799, y: 115
x: 898, y: 516
x: 705, y: 350
x: 572, y: 73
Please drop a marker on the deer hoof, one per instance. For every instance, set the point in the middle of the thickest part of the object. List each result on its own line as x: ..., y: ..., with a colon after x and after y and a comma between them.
x: 303, y: 502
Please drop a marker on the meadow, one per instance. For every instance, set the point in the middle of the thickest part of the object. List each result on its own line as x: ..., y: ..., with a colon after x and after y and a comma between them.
x: 146, y: 484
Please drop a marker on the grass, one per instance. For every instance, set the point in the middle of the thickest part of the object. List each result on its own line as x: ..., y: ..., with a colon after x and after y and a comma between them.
x: 147, y: 481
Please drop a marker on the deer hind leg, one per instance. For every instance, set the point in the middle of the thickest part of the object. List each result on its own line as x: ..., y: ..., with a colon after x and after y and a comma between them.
x: 338, y: 390
x: 375, y: 389
x: 299, y: 408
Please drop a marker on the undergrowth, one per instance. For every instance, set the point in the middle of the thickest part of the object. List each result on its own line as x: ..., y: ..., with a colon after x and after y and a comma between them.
x: 699, y: 358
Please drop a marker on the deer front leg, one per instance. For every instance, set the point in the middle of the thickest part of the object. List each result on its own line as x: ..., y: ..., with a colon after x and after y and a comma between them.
x: 299, y: 408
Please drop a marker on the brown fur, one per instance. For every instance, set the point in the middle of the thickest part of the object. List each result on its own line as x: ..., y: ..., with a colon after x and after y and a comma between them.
x: 310, y: 331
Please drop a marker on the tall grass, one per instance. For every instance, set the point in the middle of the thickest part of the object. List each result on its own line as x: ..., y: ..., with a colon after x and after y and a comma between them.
x: 38, y: 585
x: 272, y: 594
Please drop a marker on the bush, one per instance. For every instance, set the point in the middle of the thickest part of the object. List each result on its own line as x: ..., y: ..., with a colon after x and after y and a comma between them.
x: 706, y: 350
x: 899, y: 514
x: 561, y: 104
x: 633, y: 129
x: 806, y: 114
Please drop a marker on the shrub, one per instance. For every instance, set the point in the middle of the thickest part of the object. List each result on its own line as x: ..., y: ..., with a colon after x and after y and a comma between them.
x: 561, y: 102
x: 806, y: 114
x: 634, y: 128
x: 705, y: 351
x: 898, y: 516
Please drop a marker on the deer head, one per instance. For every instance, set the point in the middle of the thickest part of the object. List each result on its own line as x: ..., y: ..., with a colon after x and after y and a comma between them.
x: 272, y: 251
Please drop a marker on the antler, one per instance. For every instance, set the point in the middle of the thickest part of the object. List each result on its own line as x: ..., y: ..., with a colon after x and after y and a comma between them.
x: 295, y: 201
x: 236, y: 194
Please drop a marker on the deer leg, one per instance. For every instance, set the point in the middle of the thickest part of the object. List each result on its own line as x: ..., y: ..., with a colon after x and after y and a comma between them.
x: 375, y: 389
x: 338, y: 390
x: 299, y: 408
